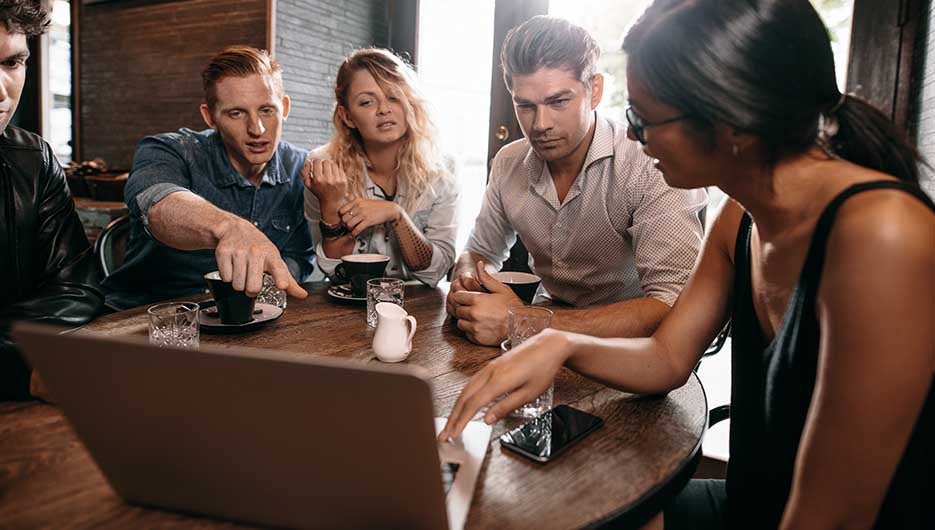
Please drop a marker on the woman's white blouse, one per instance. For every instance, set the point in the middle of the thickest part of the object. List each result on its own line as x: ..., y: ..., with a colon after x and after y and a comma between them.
x: 433, y: 212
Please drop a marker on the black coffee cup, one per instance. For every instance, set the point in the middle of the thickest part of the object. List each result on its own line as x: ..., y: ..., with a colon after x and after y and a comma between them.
x: 356, y: 269
x: 234, y: 307
x: 525, y: 285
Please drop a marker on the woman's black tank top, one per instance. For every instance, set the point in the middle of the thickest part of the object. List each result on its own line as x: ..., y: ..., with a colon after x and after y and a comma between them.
x: 772, y: 385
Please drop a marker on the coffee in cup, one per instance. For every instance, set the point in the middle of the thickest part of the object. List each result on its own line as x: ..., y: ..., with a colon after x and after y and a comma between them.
x: 525, y: 285
x: 234, y: 307
x: 356, y: 269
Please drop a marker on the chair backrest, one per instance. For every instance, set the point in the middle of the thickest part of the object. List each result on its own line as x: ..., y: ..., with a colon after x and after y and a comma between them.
x: 111, y: 245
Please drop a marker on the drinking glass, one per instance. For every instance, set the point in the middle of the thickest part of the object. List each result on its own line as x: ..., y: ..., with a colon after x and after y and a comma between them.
x: 174, y: 324
x: 270, y: 294
x: 382, y: 290
x: 523, y: 323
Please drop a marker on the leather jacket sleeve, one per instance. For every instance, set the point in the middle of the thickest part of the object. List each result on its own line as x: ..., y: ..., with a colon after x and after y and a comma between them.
x: 53, y: 276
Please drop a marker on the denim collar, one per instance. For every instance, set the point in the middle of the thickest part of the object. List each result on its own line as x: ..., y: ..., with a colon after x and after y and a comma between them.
x: 273, y: 174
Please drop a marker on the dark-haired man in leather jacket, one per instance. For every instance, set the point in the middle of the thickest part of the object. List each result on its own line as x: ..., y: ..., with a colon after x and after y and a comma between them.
x: 47, y: 269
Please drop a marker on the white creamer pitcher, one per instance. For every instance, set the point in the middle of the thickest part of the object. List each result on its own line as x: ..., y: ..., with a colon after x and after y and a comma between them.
x: 392, y: 342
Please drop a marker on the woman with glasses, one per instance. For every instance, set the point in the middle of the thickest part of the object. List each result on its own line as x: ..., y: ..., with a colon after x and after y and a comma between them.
x: 823, y: 259
x: 381, y: 184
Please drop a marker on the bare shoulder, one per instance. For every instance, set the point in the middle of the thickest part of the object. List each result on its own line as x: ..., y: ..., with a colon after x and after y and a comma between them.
x: 886, y: 223
x: 724, y: 227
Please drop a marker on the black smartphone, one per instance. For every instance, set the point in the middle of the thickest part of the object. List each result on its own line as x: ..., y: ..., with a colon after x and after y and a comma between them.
x: 544, y: 437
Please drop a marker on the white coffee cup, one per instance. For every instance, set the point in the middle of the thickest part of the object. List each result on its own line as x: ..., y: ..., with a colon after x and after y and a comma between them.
x: 392, y: 342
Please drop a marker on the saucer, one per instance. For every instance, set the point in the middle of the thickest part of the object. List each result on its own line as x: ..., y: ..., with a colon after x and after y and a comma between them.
x: 344, y: 293
x: 209, y: 320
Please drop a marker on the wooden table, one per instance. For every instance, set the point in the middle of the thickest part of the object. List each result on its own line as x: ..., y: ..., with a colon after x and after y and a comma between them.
x: 619, y: 474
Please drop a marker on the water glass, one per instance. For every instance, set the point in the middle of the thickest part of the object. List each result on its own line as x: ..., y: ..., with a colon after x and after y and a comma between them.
x: 174, y: 324
x: 523, y: 323
x: 382, y: 290
x: 270, y: 294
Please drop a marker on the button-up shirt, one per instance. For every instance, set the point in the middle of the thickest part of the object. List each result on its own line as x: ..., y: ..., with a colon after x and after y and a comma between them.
x: 433, y: 212
x: 620, y: 233
x: 197, y: 162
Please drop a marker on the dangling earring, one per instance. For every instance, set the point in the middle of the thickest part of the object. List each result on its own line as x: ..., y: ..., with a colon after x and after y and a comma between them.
x: 735, y: 150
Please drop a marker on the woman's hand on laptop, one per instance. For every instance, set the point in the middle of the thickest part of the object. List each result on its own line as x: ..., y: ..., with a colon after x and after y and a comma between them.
x: 522, y: 373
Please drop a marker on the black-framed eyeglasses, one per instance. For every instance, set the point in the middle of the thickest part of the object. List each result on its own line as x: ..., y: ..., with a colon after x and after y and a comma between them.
x: 639, y: 125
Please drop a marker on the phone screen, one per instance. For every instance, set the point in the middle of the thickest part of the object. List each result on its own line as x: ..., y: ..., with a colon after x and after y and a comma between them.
x: 545, y: 437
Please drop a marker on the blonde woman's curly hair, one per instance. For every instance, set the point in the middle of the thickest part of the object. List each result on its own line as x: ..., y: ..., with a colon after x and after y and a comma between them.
x: 419, y: 161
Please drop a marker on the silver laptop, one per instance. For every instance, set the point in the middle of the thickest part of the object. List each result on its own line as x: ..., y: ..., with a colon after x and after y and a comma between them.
x: 256, y: 436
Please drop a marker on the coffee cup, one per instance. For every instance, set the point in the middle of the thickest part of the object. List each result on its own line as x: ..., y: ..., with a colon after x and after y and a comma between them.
x: 234, y: 307
x: 525, y: 285
x: 356, y: 269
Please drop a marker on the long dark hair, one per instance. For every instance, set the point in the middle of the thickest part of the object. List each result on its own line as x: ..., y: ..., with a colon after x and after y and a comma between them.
x: 766, y: 68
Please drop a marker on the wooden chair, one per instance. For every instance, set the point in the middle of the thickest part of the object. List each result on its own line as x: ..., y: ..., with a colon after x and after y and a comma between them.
x: 111, y: 245
x: 715, y: 375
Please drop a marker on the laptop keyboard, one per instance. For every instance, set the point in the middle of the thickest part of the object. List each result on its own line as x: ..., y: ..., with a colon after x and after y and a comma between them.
x: 449, y: 472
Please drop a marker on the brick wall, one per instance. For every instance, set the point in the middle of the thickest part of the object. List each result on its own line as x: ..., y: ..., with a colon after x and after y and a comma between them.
x: 924, y: 118
x: 141, y: 63
x: 312, y: 37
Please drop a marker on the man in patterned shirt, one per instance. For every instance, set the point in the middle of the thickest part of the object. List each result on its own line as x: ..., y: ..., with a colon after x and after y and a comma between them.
x: 605, y: 233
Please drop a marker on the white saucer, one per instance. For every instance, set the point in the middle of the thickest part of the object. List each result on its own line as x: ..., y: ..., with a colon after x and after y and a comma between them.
x: 343, y: 293
x: 209, y: 320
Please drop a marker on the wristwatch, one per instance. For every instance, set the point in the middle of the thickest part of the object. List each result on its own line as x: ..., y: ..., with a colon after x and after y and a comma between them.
x: 332, y: 231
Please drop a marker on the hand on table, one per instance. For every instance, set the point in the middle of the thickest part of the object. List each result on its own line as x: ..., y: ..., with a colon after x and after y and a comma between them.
x: 244, y: 253
x: 524, y: 372
x: 464, y: 282
x: 482, y: 316
x: 360, y: 214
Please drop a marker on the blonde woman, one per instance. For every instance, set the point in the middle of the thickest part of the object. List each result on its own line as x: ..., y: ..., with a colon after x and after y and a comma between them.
x: 381, y: 185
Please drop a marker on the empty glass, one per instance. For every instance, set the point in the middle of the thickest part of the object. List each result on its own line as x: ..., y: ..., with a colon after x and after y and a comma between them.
x: 174, y: 324
x: 270, y: 294
x: 523, y: 323
x: 382, y: 290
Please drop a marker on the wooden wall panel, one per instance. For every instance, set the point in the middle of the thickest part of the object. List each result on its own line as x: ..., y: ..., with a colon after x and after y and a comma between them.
x: 141, y: 63
x: 883, y: 35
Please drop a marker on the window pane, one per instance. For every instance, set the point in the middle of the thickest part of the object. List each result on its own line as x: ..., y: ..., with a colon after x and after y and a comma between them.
x: 455, y: 48
x: 607, y: 21
x: 60, y: 80
x: 837, y: 17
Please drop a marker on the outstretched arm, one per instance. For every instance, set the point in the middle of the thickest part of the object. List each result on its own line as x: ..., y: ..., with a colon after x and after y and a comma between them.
x: 645, y: 365
x: 186, y: 221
